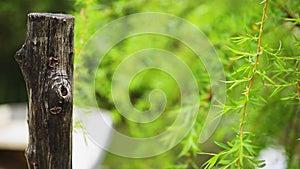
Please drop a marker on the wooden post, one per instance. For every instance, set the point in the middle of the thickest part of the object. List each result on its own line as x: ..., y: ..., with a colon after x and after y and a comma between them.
x: 46, y: 61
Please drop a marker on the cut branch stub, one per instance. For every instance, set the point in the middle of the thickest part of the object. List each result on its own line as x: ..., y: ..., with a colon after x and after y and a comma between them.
x: 46, y: 61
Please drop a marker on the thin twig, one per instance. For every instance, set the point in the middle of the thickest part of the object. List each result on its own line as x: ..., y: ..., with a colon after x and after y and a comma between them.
x: 258, y: 53
x: 298, y: 81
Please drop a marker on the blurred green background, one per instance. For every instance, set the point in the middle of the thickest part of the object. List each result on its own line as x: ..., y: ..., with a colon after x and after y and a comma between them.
x: 232, y: 26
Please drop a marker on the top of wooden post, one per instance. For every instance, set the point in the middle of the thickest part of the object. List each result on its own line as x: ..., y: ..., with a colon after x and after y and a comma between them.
x: 35, y: 15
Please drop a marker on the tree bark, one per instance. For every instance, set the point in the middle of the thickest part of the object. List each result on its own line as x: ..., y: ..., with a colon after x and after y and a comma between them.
x: 46, y: 61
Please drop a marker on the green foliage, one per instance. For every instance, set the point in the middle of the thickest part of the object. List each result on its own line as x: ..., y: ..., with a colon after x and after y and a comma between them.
x: 234, y: 151
x: 262, y: 78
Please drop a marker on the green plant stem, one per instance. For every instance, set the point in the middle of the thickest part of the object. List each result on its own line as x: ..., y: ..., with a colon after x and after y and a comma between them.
x: 258, y: 53
x: 298, y: 81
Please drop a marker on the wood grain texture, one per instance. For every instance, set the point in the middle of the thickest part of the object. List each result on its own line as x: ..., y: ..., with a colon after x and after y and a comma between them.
x: 46, y: 61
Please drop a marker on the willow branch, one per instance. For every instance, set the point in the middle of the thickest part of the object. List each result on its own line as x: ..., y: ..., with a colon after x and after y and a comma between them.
x: 298, y: 81
x: 250, y: 85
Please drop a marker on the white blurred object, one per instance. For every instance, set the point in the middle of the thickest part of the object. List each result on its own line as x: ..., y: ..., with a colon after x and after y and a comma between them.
x: 86, y: 154
x: 13, y: 130
x: 275, y: 158
x: 5, y: 116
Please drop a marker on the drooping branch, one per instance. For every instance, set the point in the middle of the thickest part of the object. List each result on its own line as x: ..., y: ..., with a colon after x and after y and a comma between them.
x: 250, y: 85
x: 298, y: 81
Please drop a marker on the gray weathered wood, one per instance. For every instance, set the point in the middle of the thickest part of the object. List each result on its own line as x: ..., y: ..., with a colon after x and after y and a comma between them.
x: 46, y: 61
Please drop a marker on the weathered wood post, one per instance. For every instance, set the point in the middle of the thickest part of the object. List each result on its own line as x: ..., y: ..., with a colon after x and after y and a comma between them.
x: 46, y: 61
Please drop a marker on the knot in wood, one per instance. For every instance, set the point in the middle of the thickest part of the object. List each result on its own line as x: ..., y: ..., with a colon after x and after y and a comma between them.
x: 63, y: 91
x: 55, y: 110
x: 35, y: 166
x: 53, y: 62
